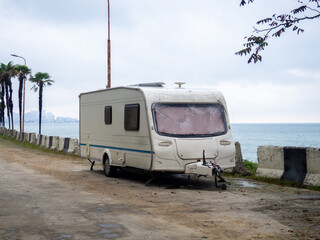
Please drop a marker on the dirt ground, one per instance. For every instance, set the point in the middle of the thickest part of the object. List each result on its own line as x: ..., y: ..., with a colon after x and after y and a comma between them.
x: 51, y: 196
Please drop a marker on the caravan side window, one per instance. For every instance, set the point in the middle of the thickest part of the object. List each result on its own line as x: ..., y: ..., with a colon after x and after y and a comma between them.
x: 131, y: 117
x: 108, y: 115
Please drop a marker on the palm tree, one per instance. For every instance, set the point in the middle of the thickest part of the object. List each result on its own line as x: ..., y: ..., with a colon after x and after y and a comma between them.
x: 1, y: 109
x: 3, y: 93
x: 8, y: 72
x: 2, y: 104
x: 23, y: 71
x: 40, y: 80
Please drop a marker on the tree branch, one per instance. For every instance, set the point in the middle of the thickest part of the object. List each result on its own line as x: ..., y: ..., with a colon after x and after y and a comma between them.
x: 277, y: 25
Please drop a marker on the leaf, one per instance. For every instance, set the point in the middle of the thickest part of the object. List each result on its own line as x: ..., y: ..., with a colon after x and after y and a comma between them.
x: 263, y: 45
x: 243, y: 2
x: 299, y: 9
x: 282, y: 17
x: 300, y: 30
x: 279, y: 32
x: 273, y: 24
x: 243, y: 52
x: 266, y: 20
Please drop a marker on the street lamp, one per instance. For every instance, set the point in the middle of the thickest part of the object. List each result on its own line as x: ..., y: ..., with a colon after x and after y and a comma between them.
x: 109, y: 49
x: 24, y: 90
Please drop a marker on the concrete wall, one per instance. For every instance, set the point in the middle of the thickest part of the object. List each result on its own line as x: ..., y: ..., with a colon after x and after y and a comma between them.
x: 301, y: 165
x: 313, y: 167
x: 270, y: 162
x: 68, y: 145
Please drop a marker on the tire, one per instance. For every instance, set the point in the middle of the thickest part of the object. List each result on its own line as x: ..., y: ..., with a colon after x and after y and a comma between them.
x: 109, y: 171
x: 223, y: 186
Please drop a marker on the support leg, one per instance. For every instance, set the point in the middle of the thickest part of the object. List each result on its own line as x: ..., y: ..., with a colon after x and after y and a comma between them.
x: 92, y: 164
x: 150, y: 180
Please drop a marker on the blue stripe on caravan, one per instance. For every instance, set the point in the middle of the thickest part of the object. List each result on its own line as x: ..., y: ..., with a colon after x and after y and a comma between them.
x: 117, y: 148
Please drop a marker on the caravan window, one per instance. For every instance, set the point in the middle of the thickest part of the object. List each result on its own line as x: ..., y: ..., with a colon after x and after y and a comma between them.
x: 131, y: 117
x: 189, y: 120
x: 108, y: 115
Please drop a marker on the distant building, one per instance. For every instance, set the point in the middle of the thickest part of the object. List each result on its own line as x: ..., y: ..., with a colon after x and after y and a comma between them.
x: 33, y: 117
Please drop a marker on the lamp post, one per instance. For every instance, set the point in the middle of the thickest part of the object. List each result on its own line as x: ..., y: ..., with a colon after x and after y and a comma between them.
x: 109, y: 48
x: 24, y: 90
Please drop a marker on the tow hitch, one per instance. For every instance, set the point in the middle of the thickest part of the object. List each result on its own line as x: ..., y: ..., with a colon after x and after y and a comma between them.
x: 207, y: 169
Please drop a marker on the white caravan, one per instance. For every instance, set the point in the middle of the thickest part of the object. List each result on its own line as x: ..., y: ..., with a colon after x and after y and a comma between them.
x: 156, y: 129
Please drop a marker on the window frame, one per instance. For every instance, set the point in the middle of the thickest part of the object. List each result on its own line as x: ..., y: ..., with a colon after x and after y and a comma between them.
x: 137, y: 125
x: 105, y: 115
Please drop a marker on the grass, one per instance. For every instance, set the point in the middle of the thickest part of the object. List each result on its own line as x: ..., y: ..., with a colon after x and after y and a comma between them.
x: 34, y: 147
x: 252, y: 167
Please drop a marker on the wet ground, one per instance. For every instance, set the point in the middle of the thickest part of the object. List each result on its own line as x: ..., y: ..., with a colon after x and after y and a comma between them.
x: 49, y: 196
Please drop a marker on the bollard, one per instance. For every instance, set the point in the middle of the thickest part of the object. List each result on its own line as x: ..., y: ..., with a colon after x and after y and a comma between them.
x: 68, y: 145
x: 26, y: 137
x: 53, y: 142
x: 240, y: 168
x: 32, y: 138
x: 39, y: 139
x: 44, y: 141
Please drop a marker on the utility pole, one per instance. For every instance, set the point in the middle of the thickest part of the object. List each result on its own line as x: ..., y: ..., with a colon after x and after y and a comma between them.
x: 24, y: 92
x: 109, y: 49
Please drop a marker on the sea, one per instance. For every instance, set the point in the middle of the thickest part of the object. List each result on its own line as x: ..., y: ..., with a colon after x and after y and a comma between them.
x: 250, y: 136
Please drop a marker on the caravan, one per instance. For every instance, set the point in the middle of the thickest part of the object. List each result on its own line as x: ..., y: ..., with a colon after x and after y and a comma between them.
x: 156, y: 129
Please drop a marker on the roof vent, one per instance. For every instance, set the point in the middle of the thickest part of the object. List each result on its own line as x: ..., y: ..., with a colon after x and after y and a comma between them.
x: 180, y: 83
x: 153, y: 84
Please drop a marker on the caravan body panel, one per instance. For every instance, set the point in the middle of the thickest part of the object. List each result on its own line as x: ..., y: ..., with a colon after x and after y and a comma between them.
x: 124, y: 148
x: 175, y: 126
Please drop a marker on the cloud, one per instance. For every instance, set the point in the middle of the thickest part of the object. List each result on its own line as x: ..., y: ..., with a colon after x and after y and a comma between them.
x: 305, y: 74
x: 166, y: 41
x: 270, y: 102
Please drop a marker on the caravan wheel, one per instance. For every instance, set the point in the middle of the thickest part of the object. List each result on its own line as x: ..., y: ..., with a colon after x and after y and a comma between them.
x: 110, y: 171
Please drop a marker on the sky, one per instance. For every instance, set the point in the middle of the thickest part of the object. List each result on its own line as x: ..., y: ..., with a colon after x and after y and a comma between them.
x: 164, y: 41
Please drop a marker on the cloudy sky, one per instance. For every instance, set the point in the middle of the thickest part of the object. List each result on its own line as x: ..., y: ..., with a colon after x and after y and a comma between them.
x: 164, y: 41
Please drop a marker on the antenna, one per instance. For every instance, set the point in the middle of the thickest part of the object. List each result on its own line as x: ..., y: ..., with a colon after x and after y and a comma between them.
x: 180, y: 83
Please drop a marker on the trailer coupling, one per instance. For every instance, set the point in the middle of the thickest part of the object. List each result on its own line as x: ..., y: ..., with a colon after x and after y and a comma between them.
x: 207, y: 169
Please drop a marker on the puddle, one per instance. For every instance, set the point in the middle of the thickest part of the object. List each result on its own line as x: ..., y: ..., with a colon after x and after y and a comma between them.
x: 63, y: 236
x: 310, y: 197
x: 101, y: 209
x: 246, y: 184
x: 120, y: 207
x: 109, y: 230
x: 9, y: 233
x: 11, y: 230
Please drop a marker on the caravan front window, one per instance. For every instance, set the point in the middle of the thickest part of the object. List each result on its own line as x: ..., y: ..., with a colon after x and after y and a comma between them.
x: 189, y: 120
